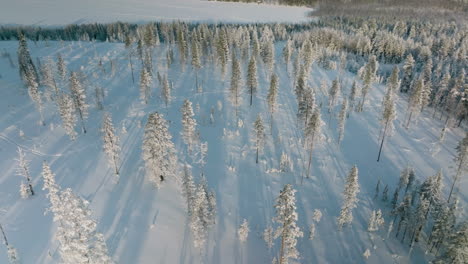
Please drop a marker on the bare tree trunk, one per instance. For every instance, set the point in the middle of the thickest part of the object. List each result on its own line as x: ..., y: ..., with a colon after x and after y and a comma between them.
x: 383, y: 138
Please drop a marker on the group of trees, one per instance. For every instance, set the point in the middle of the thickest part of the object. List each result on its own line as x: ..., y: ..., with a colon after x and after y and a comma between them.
x: 424, y: 75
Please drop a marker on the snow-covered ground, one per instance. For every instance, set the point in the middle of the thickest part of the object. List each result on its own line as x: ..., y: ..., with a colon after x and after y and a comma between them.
x: 60, y: 12
x: 144, y: 225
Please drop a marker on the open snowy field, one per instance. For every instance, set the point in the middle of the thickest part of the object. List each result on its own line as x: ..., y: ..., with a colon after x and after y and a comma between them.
x: 142, y: 224
x: 62, y: 12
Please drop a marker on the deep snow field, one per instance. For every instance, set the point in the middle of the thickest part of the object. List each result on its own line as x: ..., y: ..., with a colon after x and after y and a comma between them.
x: 62, y: 12
x: 142, y: 224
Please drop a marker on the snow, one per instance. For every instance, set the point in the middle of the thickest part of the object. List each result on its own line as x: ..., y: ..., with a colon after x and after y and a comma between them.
x: 60, y: 12
x: 142, y: 224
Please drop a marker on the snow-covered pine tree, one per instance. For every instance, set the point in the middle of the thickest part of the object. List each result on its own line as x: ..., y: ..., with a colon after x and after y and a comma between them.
x: 243, y: 231
x: 286, y: 217
x: 189, y: 124
x: 272, y: 97
x: 408, y: 68
x: 196, y: 56
x: 368, y: 78
x: 313, y: 136
x: 234, y: 89
x: 269, y: 236
x: 145, y: 85
x: 349, y: 198
x: 78, y: 95
x: 158, y: 150
x: 252, y: 81
x: 111, y: 143
x: 67, y: 113
x: 259, y: 139
x: 268, y: 54
x: 26, y: 189
x: 388, y: 110
x: 342, y: 120
x: 415, y: 101
x: 461, y: 160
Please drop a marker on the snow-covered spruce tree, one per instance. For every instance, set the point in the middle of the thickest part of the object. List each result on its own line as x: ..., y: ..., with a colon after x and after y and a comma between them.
x: 78, y: 95
x: 158, y: 150
x: 368, y: 78
x: 349, y: 198
x: 67, y: 113
x: 196, y: 55
x: 243, y: 231
x: 408, y: 68
x: 166, y: 91
x: 26, y: 189
x: 129, y: 48
x: 77, y: 235
x: 342, y: 120
x: 252, y: 81
x: 457, y: 248
x: 31, y: 81
x: 375, y: 221
x: 61, y: 67
x: 48, y: 78
x: 353, y: 95
x: 461, y: 160
x: 234, y: 89
x: 255, y: 43
x: 306, y: 105
x: 145, y: 85
x: 111, y: 143
x: 25, y: 64
x: 404, y: 210
x: 286, y: 217
x: 313, y: 136
x: 272, y: 97
x: 419, y: 220
x: 333, y: 93
x: 53, y: 190
x: 388, y: 111
x: 415, y: 101
x: 188, y: 188
x: 443, y: 226
x: 259, y: 140
x: 286, y: 164
x: 287, y: 52
x: 269, y: 236
x: 268, y: 54
x: 13, y: 256
x: 189, y: 124
x: 199, y: 219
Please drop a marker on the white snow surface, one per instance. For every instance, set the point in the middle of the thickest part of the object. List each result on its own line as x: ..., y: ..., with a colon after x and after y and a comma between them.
x: 142, y: 224
x: 60, y: 12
